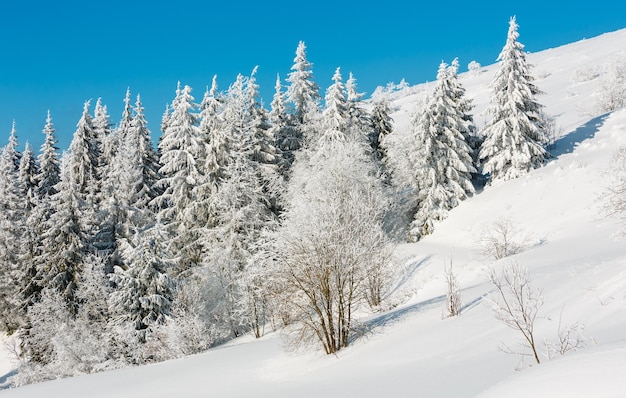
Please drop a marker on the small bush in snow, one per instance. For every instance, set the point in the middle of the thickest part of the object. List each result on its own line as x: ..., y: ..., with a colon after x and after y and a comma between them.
x: 501, y: 239
x: 474, y: 68
x: 453, y: 293
x: 612, y: 91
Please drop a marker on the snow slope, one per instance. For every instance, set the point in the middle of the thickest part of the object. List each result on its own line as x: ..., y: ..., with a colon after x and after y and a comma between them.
x: 574, y: 254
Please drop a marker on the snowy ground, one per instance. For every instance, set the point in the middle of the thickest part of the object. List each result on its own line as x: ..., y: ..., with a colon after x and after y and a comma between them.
x: 574, y: 254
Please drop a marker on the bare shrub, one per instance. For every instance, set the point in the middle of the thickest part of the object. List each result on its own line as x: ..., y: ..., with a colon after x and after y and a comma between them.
x: 501, y: 239
x: 551, y: 130
x: 612, y: 90
x: 453, y: 293
x: 570, y: 338
x: 516, y: 304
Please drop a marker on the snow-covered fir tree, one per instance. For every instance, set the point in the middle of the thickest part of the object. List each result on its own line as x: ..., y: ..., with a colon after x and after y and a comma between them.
x: 140, y: 140
x: 281, y: 126
x: 382, y: 126
x: 442, y: 163
x: 48, y: 158
x: 83, y: 162
x: 65, y: 240
x: 216, y: 151
x: 143, y: 291
x: 12, y: 213
x: 335, y: 118
x: 303, y: 94
x: 514, y: 135
x: 36, y: 223
x: 465, y: 106
x: 181, y: 151
x: 11, y: 147
x: 29, y: 174
x: 360, y: 119
x: 105, y: 144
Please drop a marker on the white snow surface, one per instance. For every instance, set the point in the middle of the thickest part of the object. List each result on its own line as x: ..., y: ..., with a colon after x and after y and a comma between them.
x: 575, y: 254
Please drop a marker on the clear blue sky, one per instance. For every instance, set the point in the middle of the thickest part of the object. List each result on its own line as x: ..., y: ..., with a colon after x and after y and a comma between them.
x: 56, y: 55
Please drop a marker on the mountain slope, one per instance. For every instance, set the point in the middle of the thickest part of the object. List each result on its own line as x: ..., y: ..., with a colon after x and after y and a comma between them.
x: 573, y: 252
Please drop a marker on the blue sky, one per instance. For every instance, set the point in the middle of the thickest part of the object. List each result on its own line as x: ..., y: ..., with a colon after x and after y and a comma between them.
x: 56, y: 55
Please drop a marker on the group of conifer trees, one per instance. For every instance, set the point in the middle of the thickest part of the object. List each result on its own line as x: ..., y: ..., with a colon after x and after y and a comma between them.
x: 240, y: 218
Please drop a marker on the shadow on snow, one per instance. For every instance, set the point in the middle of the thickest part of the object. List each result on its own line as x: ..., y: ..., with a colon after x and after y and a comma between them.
x: 567, y: 143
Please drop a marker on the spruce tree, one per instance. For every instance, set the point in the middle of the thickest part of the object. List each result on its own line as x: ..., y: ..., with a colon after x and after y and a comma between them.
x: 65, y: 240
x: 49, y: 161
x: 29, y: 174
x: 143, y: 291
x: 287, y: 140
x: 303, y: 94
x: 11, y: 147
x: 181, y: 151
x: 336, y: 117
x: 360, y: 119
x: 12, y: 211
x: 382, y: 126
x: 442, y: 161
x: 514, y: 134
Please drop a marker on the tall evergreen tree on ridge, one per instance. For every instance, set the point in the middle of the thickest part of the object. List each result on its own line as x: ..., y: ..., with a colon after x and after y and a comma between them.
x: 303, y: 94
x: 139, y: 137
x: 14, y: 154
x: 514, y: 135
x: 336, y: 117
x: 48, y: 158
x: 84, y: 160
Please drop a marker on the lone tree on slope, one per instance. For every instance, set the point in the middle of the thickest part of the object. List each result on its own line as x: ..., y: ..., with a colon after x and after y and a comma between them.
x: 514, y: 135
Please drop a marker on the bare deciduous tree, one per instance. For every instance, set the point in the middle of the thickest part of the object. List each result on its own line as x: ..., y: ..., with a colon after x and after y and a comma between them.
x: 517, y: 303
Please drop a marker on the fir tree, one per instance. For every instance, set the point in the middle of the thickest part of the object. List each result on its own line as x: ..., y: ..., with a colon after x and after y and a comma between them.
x: 144, y: 291
x: 465, y: 106
x: 12, y: 210
x: 382, y: 126
x: 49, y: 161
x: 303, y: 93
x: 11, y: 147
x: 442, y: 161
x: 65, y: 242
x: 360, y: 120
x: 29, y: 174
x: 217, y: 144
x: 287, y: 139
x: 336, y: 117
x: 181, y: 150
x: 83, y: 160
x: 514, y: 133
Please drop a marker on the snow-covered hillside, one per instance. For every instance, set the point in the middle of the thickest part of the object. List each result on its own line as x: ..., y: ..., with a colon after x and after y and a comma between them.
x: 574, y: 254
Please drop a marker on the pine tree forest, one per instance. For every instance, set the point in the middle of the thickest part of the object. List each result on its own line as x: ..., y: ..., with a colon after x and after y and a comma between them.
x: 239, y: 220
